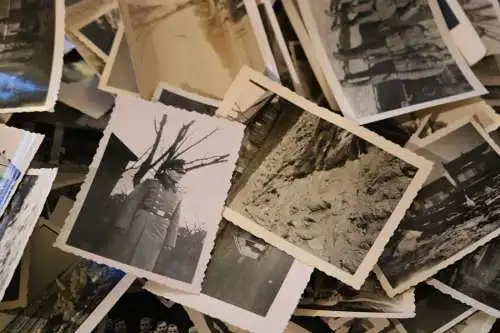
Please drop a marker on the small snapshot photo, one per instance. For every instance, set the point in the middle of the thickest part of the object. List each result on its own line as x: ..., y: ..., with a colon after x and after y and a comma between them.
x: 475, y: 279
x: 178, y: 98
x: 314, y: 184
x: 485, y: 17
x: 32, y: 37
x: 248, y: 283
x: 99, y: 32
x: 154, y: 198
x: 454, y: 213
x: 326, y: 296
x: 387, y: 58
x: 436, y: 312
x: 69, y: 301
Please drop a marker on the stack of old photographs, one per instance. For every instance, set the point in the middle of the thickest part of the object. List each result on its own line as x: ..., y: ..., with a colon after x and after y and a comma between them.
x: 258, y: 166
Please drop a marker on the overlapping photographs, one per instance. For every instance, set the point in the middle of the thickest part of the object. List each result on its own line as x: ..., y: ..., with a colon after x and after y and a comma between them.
x: 74, y: 302
x: 479, y: 322
x: 454, y: 213
x: 17, y: 149
x: 32, y: 37
x: 436, y: 312
x: 304, y: 165
x: 488, y: 70
x: 16, y: 294
x: 325, y: 296
x: 342, y: 325
x: 389, y: 59
x: 474, y: 279
x: 248, y: 283
x: 159, y: 223
x: 223, y: 35
x: 19, y: 219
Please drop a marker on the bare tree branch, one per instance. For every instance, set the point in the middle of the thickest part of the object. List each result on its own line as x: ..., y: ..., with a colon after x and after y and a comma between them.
x: 215, y: 160
x: 195, y: 143
x: 167, y: 155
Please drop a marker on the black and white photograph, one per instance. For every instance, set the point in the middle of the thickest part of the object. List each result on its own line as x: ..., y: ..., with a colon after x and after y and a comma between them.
x: 161, y: 176
x: 488, y: 70
x: 84, y: 290
x: 248, y: 283
x: 326, y: 296
x: 455, y: 212
x: 16, y: 294
x: 178, y: 98
x: 19, y: 219
x: 140, y: 311
x: 436, y: 312
x: 17, y: 149
x: 479, y: 322
x: 99, y: 31
x: 384, y: 58
x: 361, y: 325
x: 317, y: 186
x: 485, y: 17
x: 474, y: 280
x: 31, y: 48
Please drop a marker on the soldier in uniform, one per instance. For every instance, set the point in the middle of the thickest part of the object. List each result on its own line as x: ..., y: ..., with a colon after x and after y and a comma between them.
x: 149, y: 219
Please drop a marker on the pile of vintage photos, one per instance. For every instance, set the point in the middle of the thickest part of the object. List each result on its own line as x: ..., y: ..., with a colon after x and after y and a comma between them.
x: 263, y: 166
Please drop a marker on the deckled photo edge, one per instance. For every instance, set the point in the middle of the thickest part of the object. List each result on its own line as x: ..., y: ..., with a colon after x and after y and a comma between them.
x: 181, y: 92
x: 106, y: 304
x: 22, y: 301
x: 355, y: 280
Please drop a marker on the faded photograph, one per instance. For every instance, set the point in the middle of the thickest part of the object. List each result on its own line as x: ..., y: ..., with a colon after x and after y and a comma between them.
x: 326, y: 293
x: 101, y: 32
x: 143, y: 312
x: 484, y: 16
x: 27, y: 45
x: 457, y: 206
x: 477, y: 276
x: 386, y: 55
x: 68, y: 301
x: 156, y: 198
x: 314, y: 184
x: 434, y: 310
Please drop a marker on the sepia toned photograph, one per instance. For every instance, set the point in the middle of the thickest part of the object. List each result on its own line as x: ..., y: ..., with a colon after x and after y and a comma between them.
x: 388, y: 59
x: 99, y: 33
x: 118, y: 76
x: 436, y: 312
x: 31, y: 47
x: 248, y: 283
x: 153, y: 201
x: 221, y: 32
x: 316, y: 186
x: 326, y: 296
x: 69, y: 303
x: 16, y: 294
x: 178, y: 98
x: 454, y: 213
x: 485, y: 17
x: 474, y: 280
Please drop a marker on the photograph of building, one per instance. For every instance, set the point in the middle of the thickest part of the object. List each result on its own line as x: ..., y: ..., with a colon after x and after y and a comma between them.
x: 456, y: 207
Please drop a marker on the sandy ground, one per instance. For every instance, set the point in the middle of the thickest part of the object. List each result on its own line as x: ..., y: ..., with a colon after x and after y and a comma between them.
x: 306, y: 192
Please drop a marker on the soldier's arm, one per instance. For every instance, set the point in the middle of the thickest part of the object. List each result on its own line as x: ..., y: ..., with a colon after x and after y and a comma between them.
x: 173, y: 229
x: 131, y: 205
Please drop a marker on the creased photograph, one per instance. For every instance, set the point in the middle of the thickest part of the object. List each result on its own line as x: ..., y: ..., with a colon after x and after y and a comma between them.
x: 19, y: 219
x: 454, y: 213
x: 220, y: 32
x: 326, y: 296
x: 387, y: 58
x: 31, y: 48
x: 248, y: 283
x: 153, y: 199
x: 317, y: 186
x: 473, y: 280
x: 436, y: 312
x: 17, y: 149
x: 68, y: 302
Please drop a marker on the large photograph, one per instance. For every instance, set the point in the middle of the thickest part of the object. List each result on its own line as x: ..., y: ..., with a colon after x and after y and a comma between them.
x: 326, y: 296
x: 153, y: 200
x: 454, y: 213
x: 317, y: 186
x: 484, y: 16
x: 248, y: 283
x: 475, y: 279
x: 31, y: 48
x: 386, y: 58
x: 19, y: 219
x: 221, y: 33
